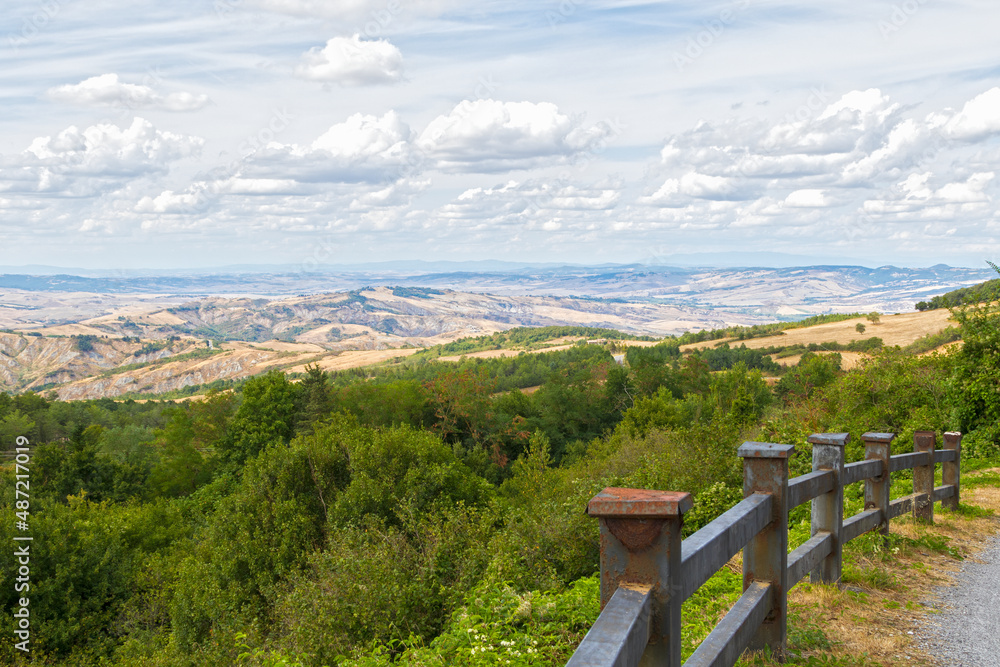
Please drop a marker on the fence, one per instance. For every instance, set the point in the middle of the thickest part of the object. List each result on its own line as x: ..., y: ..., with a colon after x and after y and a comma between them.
x: 647, y: 571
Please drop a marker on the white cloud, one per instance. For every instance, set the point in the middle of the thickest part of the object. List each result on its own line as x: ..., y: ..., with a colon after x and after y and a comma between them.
x: 399, y: 194
x: 807, y: 199
x: 863, y: 107
x: 535, y: 205
x: 107, y: 90
x: 351, y: 61
x: 856, y: 153
x: 96, y: 159
x: 490, y: 136
x: 174, y: 202
x: 978, y: 119
x: 363, y: 148
x: 916, y: 198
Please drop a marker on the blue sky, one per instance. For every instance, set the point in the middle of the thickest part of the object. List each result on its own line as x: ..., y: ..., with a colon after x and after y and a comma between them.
x: 153, y: 135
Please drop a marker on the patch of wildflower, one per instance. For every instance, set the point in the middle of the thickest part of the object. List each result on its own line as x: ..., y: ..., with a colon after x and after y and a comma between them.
x: 499, y: 626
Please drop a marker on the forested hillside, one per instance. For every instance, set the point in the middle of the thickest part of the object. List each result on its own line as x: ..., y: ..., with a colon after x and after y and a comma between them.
x: 420, y: 513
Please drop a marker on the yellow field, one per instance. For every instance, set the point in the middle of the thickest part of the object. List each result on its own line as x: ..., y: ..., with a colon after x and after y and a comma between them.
x: 901, y: 329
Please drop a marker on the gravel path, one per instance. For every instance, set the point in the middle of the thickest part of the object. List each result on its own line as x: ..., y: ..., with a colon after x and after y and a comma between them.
x: 967, y: 631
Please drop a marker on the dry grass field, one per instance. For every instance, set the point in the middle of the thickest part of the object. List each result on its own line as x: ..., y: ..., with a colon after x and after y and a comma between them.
x: 885, y: 621
x: 900, y: 329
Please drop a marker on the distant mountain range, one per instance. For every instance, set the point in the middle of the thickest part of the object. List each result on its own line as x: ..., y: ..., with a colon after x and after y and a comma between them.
x: 148, y: 333
x: 703, y: 260
x: 783, y: 291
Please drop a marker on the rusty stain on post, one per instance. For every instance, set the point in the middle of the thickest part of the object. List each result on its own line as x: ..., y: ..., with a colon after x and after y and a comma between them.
x: 638, y: 503
x: 641, y: 544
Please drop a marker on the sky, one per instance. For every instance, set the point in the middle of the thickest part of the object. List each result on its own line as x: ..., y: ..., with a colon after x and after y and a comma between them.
x: 193, y: 134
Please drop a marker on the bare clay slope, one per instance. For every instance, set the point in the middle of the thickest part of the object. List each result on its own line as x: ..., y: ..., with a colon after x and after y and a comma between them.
x: 348, y: 330
x: 392, y: 317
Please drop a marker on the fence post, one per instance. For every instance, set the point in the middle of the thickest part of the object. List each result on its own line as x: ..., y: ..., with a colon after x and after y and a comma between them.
x: 641, y: 544
x: 923, y: 478
x: 765, y: 558
x: 878, y: 446
x: 828, y: 509
x: 951, y: 470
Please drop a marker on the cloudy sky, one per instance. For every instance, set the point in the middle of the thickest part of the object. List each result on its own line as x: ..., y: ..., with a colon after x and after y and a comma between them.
x: 187, y: 134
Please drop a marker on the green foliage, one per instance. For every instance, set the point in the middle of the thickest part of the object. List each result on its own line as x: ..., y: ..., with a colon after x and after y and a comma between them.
x: 327, y: 490
x: 85, y: 342
x: 974, y: 388
x: 13, y: 424
x: 390, y: 404
x: 872, y: 344
x: 500, y: 626
x: 384, y: 583
x: 930, y: 342
x: 150, y: 347
x: 741, y: 393
x: 724, y: 357
x: 709, y: 504
x: 266, y: 416
x: 981, y: 293
x: 890, y: 392
x: 662, y: 412
x: 524, y: 338
x: 811, y: 373
x: 705, y: 608
x: 415, y: 292
x: 413, y: 512
x: 761, y: 330
x: 181, y: 468
x: 79, y: 467
x: 87, y: 562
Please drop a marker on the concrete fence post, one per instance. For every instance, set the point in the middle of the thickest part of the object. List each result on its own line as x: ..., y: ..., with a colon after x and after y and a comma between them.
x: 765, y: 557
x: 878, y: 447
x: 641, y: 544
x: 923, y: 478
x: 951, y: 470
x: 828, y: 509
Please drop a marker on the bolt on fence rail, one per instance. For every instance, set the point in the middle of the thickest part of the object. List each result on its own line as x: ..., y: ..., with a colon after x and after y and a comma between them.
x: 647, y: 571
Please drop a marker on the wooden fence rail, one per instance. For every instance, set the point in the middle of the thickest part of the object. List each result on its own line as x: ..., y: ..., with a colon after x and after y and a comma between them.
x: 647, y: 571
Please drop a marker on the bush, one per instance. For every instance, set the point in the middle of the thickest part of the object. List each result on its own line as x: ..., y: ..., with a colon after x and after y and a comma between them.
x: 974, y: 388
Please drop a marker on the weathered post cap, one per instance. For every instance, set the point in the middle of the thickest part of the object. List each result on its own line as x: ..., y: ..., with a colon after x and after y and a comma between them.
x: 839, y: 439
x: 765, y: 450
x: 878, y: 437
x: 614, y: 502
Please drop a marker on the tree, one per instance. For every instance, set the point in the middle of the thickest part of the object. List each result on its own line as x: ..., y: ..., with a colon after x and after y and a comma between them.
x: 873, y: 317
x: 15, y: 424
x: 181, y: 466
x: 859, y: 327
x: 316, y: 400
x: 266, y: 415
x: 974, y: 388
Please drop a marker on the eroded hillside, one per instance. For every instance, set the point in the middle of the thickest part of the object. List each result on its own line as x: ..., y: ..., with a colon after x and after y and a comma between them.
x: 394, y: 317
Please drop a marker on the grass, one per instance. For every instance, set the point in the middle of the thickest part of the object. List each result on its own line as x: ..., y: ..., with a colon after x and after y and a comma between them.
x: 875, y: 616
